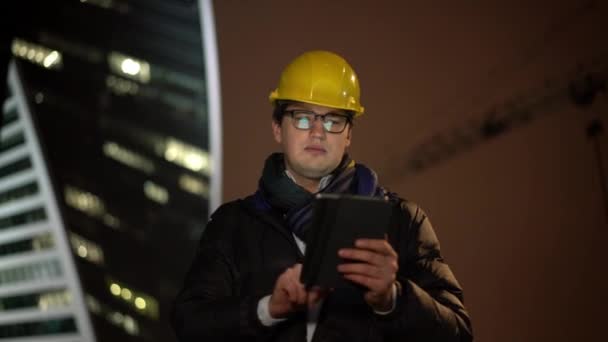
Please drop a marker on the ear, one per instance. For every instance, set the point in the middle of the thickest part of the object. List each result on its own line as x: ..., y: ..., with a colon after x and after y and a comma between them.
x: 276, y: 131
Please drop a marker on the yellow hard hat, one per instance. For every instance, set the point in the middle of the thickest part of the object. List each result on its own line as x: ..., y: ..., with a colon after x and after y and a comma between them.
x: 321, y: 78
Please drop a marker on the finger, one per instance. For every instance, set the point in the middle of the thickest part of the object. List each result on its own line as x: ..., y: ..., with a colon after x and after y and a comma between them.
x: 363, y: 255
x: 313, y: 298
x: 316, y: 294
x: 295, y: 290
x: 381, y: 246
x: 319, y: 293
x: 300, y: 290
x: 302, y: 295
x: 367, y: 270
x: 373, y: 284
x: 291, y: 290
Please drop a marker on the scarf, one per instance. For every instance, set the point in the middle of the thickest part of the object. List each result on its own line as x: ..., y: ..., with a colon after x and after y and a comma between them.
x: 279, y: 192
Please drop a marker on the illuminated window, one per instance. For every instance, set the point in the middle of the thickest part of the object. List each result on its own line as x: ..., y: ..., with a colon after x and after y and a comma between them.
x: 129, y: 67
x: 89, y: 204
x: 54, y: 300
x: 141, y: 302
x: 86, y: 249
x: 185, y: 155
x: 194, y: 185
x: 37, y: 54
x: 84, y: 201
x: 128, y: 157
x: 42, y: 270
x: 156, y: 192
x: 119, y: 319
x: 44, y: 301
x: 121, y: 86
x: 41, y: 242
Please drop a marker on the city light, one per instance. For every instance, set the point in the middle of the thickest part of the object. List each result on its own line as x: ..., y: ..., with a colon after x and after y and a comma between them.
x: 91, y: 205
x: 121, y: 86
x: 126, y: 294
x: 115, y: 289
x: 194, y: 185
x: 129, y: 67
x: 84, y: 201
x: 140, y: 303
x: 54, y: 299
x: 51, y: 59
x: 156, y: 192
x: 86, y: 249
x: 37, y: 54
x: 119, y: 319
x: 186, y: 155
x: 128, y: 157
x: 82, y: 251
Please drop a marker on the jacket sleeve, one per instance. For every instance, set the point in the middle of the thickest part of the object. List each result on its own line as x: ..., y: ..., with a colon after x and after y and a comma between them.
x: 209, y: 307
x: 430, y: 305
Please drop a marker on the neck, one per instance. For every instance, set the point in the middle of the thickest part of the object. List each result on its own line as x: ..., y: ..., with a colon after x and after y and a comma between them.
x: 309, y: 184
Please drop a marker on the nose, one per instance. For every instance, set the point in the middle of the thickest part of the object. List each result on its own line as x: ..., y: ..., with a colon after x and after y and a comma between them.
x: 317, y: 130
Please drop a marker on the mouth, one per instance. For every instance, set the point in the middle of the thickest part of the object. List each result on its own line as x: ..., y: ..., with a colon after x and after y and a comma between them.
x: 315, y: 149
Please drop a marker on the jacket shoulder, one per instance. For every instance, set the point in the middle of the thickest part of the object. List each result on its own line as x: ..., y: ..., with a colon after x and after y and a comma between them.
x: 223, y: 223
x: 226, y: 210
x: 411, y: 209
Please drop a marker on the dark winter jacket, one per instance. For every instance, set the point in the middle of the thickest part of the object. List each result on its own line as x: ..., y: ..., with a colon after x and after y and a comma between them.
x: 243, y: 251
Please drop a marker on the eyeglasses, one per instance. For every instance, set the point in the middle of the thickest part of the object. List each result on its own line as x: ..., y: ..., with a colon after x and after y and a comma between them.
x: 332, y: 123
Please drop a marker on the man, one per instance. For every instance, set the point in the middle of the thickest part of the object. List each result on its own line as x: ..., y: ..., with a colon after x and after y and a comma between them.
x: 244, y: 283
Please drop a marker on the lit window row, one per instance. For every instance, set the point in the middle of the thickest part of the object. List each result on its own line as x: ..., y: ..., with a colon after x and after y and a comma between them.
x: 121, y: 86
x: 121, y: 320
x: 156, y: 192
x: 43, y: 301
x: 55, y: 299
x: 168, y: 148
x: 42, y: 242
x: 194, y: 185
x: 37, y: 54
x: 48, y: 269
x: 185, y: 155
x: 86, y: 249
x: 89, y: 204
x: 144, y: 304
x: 129, y: 67
x: 84, y: 201
x: 127, y: 157
x: 37, y: 243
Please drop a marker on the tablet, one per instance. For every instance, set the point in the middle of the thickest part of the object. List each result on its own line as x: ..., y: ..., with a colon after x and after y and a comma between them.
x: 337, y: 221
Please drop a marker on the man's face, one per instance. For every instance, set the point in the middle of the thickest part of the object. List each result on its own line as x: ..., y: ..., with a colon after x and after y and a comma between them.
x: 312, y: 153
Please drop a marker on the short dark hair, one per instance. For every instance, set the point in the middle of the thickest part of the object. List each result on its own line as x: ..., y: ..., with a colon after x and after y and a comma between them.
x: 279, y: 112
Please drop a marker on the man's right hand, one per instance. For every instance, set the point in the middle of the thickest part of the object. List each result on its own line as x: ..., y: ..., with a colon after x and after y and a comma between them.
x: 289, y: 295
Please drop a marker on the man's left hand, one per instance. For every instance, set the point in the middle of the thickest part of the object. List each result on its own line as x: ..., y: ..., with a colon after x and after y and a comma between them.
x: 375, y: 268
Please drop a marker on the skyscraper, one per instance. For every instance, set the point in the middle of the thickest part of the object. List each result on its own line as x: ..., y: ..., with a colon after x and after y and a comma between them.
x: 109, y: 165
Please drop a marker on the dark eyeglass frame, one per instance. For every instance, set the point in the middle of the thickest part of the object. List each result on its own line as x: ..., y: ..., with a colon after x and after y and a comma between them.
x: 293, y: 112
